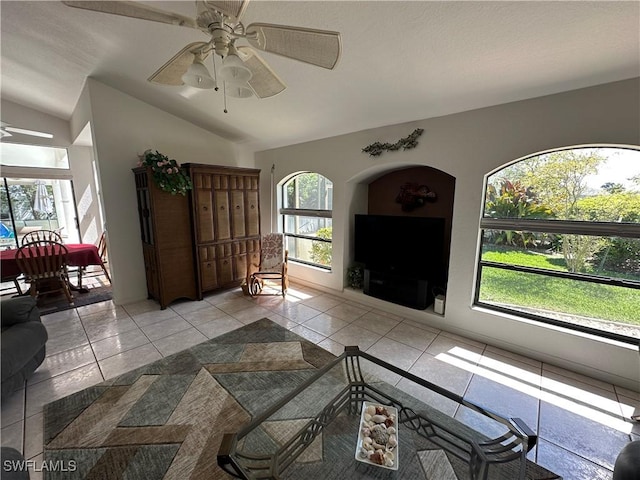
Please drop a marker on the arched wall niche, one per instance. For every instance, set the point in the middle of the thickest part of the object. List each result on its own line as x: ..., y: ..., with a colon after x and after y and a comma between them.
x: 376, y: 194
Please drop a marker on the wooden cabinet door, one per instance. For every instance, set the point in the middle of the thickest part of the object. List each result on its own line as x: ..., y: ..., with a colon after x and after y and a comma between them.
x: 151, y: 271
x: 208, y: 268
x: 237, y: 215
x: 204, y: 208
x: 223, y: 218
x: 252, y: 213
x: 225, y: 264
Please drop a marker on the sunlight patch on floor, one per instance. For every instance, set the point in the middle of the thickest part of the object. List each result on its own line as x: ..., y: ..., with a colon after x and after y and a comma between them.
x: 571, y: 398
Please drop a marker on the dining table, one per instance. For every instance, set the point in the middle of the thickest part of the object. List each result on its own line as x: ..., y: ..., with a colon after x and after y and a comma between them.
x: 79, y: 255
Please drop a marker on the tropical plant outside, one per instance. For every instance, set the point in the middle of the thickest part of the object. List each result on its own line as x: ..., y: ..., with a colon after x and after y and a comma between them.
x: 321, y: 251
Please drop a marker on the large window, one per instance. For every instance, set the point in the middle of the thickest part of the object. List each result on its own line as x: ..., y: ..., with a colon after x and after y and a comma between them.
x: 561, y: 240
x: 36, y: 193
x: 307, y: 201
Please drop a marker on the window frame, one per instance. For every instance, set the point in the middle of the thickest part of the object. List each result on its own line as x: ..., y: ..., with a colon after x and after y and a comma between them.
x: 571, y: 227
x: 304, y: 212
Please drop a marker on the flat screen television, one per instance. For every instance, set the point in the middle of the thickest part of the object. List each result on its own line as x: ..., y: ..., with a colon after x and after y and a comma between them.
x: 399, y: 245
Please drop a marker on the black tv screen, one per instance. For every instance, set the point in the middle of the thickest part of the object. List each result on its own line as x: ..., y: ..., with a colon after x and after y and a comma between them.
x: 410, y: 246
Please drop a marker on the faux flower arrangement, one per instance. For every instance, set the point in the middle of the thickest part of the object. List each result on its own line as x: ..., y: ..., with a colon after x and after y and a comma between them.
x: 166, y: 172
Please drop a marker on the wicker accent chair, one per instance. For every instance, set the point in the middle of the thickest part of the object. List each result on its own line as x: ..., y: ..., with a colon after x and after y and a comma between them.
x: 272, y: 268
x: 44, y: 265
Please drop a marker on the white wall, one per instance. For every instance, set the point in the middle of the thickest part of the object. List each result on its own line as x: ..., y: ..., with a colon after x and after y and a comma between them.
x: 122, y: 128
x: 80, y: 168
x: 87, y: 206
x: 23, y: 117
x: 468, y: 145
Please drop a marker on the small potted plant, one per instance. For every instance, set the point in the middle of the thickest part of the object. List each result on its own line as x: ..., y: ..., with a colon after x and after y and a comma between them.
x: 355, y: 275
x: 166, y: 173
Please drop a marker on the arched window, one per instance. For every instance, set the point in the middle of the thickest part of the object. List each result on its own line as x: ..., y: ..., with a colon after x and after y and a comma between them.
x: 561, y: 240
x: 307, y: 201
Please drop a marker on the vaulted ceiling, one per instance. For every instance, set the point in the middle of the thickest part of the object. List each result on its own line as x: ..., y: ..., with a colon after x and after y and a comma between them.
x: 401, y: 61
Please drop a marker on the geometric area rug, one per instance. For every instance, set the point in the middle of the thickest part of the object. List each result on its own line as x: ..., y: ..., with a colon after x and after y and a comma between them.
x: 166, y: 420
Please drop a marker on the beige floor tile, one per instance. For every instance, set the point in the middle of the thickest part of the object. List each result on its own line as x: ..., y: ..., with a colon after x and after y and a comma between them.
x: 444, y: 344
x: 325, y: 324
x: 126, y: 361
x: 179, y: 341
x: 186, y: 306
x: 234, y: 305
x: 165, y: 328
x: 60, y: 386
x: 251, y: 314
x: 411, y: 336
x: 96, y: 308
x: 116, y: 344
x: 376, y: 322
x: 219, y: 326
x: 33, y: 435
x: 62, y: 362
x: 103, y: 316
x: 74, y: 339
x: 109, y: 329
x: 149, y: 318
x: 297, y: 312
x: 142, y: 306
x: 395, y: 353
x: 332, y: 346
x: 347, y: 312
x: 204, y: 315
x: 309, y: 334
x: 322, y: 302
x: 454, y: 378
x: 12, y: 435
x: 13, y: 407
x: 36, y: 472
x: 353, y: 335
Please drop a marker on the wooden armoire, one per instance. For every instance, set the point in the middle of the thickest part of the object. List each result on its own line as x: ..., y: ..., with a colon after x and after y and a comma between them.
x: 165, y: 229
x: 225, y: 212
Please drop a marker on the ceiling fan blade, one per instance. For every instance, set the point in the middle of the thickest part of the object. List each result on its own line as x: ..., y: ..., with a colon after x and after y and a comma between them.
x: 264, y: 81
x: 317, y: 47
x: 134, y: 10
x: 171, y: 72
x: 5, y: 128
x: 231, y: 8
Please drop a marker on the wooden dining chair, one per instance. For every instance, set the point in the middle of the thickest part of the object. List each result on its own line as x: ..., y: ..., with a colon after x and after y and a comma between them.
x: 41, y: 236
x: 44, y: 265
x: 102, y: 251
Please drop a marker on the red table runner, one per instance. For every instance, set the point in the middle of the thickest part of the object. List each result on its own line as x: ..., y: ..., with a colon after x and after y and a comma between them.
x: 79, y: 255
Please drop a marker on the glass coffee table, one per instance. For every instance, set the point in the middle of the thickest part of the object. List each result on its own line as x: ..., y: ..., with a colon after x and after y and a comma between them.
x: 316, y: 431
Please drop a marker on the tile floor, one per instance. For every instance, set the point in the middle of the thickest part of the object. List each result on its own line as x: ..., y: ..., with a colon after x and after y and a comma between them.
x: 582, y: 422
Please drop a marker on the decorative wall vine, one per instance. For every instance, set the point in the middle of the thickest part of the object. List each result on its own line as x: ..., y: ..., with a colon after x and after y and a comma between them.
x: 411, y: 141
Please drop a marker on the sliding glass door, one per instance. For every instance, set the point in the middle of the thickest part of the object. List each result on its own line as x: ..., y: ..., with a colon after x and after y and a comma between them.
x: 28, y: 204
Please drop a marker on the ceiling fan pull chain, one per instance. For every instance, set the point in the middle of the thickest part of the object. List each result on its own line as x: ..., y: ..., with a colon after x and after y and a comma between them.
x: 215, y: 74
x: 224, y: 94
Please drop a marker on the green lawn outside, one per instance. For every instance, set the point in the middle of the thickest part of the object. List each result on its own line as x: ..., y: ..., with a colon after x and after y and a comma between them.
x: 561, y: 295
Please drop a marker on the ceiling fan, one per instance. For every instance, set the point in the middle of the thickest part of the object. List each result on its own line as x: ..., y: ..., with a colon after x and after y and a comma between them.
x: 6, y: 130
x: 244, y: 73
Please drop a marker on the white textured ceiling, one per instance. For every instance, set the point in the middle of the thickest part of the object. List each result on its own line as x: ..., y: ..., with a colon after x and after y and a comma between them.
x: 401, y: 61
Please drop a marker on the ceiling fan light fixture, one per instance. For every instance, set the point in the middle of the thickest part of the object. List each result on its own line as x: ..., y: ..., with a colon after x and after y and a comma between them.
x: 234, y: 70
x: 197, y: 75
x: 238, y: 90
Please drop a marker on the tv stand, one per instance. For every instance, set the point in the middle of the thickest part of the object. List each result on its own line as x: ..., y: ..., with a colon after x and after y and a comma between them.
x: 400, y: 289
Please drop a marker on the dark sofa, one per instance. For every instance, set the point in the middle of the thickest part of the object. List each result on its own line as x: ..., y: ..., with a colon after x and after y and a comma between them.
x: 23, y: 339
